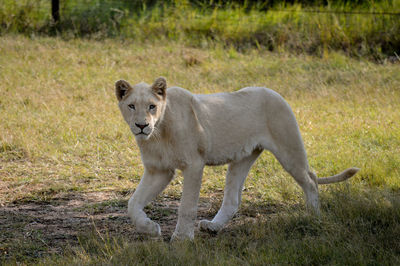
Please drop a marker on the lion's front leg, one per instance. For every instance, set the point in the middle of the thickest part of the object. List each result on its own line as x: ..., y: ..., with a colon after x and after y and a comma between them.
x: 151, y: 184
x: 187, y: 212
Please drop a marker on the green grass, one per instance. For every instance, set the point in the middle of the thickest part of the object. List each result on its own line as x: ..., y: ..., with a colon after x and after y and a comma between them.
x: 61, y: 133
x: 284, y: 27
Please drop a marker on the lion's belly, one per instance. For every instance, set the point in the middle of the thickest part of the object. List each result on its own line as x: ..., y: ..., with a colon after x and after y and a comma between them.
x: 230, y: 151
x: 232, y: 156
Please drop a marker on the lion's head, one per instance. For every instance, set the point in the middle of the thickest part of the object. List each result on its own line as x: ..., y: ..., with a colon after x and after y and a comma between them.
x: 142, y: 105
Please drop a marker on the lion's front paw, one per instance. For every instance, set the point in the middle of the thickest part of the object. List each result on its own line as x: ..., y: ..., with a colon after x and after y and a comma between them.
x: 206, y: 225
x: 149, y: 227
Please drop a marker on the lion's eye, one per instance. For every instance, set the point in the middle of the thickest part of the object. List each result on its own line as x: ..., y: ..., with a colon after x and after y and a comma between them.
x: 152, y: 106
x: 131, y: 106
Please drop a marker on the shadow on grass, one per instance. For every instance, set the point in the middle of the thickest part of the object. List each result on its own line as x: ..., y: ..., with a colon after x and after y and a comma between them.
x: 51, y: 222
x: 356, y: 227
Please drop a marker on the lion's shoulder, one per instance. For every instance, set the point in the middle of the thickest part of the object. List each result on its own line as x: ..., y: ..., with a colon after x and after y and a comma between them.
x: 178, y: 92
x: 179, y: 100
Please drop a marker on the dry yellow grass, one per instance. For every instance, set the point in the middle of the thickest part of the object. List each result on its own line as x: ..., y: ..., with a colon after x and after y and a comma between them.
x: 61, y: 130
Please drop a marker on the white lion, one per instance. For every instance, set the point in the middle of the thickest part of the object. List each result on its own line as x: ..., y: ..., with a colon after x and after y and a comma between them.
x: 176, y: 129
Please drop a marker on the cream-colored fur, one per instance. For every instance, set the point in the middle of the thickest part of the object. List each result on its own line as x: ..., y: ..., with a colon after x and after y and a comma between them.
x: 176, y: 129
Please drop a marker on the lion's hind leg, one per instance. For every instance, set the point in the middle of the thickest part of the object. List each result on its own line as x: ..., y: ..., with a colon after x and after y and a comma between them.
x: 235, y: 177
x: 286, y: 144
x: 296, y: 164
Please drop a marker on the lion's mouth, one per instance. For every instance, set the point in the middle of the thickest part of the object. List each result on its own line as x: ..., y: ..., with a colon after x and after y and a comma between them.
x: 141, y: 133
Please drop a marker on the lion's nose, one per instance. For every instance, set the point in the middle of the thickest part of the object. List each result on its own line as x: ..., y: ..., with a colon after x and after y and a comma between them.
x: 141, y: 126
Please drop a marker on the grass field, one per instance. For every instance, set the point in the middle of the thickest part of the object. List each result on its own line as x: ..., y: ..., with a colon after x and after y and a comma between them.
x: 68, y: 163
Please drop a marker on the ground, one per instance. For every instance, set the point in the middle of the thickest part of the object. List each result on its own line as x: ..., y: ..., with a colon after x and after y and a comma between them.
x: 58, y: 222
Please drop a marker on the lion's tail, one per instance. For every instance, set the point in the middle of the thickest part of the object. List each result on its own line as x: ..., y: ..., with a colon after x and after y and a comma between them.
x: 346, y: 174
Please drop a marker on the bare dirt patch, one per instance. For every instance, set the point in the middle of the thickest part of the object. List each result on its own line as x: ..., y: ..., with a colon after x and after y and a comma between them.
x: 41, y: 228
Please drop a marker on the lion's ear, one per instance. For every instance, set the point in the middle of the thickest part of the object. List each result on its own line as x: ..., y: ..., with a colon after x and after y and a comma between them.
x: 121, y: 88
x: 160, y: 86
